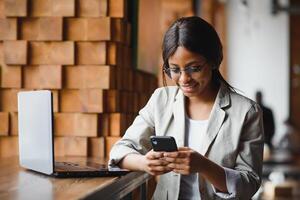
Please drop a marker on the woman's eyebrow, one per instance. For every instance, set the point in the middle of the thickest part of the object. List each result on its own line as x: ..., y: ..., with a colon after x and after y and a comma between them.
x: 188, y: 64
x: 175, y: 65
x: 193, y: 62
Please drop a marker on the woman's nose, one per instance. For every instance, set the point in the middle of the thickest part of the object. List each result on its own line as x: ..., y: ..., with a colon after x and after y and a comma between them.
x: 184, y: 77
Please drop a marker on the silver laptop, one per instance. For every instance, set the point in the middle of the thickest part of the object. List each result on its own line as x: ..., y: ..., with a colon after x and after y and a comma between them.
x: 36, y: 141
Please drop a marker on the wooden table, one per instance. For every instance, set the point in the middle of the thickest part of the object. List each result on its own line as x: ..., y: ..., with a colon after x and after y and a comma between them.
x: 19, y: 183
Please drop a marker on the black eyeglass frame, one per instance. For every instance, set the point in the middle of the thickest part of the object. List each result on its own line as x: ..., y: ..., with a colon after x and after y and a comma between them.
x: 189, y: 70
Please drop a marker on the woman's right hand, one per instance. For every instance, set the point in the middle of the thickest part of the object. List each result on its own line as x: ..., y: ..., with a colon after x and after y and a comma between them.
x: 155, y: 164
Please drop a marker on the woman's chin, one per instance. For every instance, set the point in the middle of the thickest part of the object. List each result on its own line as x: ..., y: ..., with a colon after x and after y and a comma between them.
x: 190, y: 93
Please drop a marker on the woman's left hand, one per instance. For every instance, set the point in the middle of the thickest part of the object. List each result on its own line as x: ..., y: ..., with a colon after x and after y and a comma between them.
x: 185, y: 161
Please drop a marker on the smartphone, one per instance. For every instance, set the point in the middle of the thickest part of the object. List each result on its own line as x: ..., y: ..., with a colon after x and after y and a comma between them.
x: 163, y: 143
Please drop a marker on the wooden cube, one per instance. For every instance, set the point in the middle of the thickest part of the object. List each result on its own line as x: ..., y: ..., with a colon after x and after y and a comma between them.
x: 280, y: 190
x: 70, y: 146
x: 63, y: 8
x: 75, y: 146
x: 41, y: 29
x: 8, y: 29
x: 9, y: 101
x: 99, y: 29
x: 55, y: 97
x: 42, y: 77
x: 127, y: 57
x: 100, y: 77
x: 105, y: 125
x: 117, y: 8
x: 9, y: 146
x: 109, y: 142
x: 29, y: 28
x: 40, y: 8
x: 52, y: 53
x: 88, y: 29
x: 85, y: 100
x: 112, y: 99
x: 2, y: 15
x: 283, y: 191
x: 13, y: 123
x: 114, y: 56
x: 96, y: 147
x: 127, y: 102
x: 129, y: 82
x: 59, y: 146
x: 15, y: 8
x: 70, y: 101
x: 11, y: 76
x: 76, y: 29
x: 80, y: 77
x: 125, y: 79
x: 4, y: 123
x: 117, y: 124
x: 92, y: 100
x: 118, y: 30
x: 91, y: 53
x: 92, y: 8
x: 50, y: 28
x: 120, y: 78
x: 48, y: 8
x: 76, y: 124
x: 15, y: 52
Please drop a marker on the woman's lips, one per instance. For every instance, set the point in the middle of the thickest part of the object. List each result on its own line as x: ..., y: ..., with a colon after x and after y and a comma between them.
x: 188, y: 88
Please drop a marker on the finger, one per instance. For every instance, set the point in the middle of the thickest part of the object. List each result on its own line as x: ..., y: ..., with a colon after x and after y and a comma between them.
x: 171, y: 154
x: 159, y: 162
x: 184, y: 148
x: 154, y: 155
x: 175, y: 160
x: 179, y: 166
x: 178, y: 154
x: 183, y: 172
x: 158, y: 169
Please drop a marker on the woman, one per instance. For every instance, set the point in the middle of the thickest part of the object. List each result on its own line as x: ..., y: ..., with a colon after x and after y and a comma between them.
x: 219, y: 132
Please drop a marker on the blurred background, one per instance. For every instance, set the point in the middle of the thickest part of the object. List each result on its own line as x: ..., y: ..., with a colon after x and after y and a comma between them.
x: 102, y: 60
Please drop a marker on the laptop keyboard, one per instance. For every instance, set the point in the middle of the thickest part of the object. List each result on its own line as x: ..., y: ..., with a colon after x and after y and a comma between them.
x: 70, y: 166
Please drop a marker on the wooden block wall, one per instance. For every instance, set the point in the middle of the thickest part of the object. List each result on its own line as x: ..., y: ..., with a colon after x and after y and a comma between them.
x: 4, y: 123
x: 80, y: 50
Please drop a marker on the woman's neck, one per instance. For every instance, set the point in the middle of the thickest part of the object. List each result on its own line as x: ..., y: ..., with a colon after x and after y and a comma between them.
x: 208, y: 96
x: 199, y: 108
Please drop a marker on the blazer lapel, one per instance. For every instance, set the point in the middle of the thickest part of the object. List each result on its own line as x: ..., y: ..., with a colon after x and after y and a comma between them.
x: 216, y: 119
x: 179, y: 117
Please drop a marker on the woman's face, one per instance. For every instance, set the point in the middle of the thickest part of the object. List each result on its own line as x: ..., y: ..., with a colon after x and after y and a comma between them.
x: 191, y: 72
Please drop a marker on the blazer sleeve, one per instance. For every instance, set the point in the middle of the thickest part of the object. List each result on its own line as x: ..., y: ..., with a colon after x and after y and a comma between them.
x: 136, y: 139
x: 250, y: 156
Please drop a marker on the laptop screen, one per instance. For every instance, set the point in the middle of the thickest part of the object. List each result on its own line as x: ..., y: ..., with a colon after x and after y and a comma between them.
x: 35, y: 131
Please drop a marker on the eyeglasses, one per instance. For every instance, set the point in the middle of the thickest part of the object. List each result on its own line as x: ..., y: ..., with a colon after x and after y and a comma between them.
x: 192, y: 71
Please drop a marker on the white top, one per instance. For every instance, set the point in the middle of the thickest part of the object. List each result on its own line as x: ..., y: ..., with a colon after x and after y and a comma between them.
x: 189, y: 184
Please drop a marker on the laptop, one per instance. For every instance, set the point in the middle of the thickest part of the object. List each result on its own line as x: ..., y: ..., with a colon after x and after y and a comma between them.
x: 36, y: 141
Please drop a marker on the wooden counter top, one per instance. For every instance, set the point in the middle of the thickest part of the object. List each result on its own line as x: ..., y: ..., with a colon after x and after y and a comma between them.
x: 19, y: 183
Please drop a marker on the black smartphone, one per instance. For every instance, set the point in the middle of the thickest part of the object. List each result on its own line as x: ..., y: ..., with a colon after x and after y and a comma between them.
x: 163, y: 143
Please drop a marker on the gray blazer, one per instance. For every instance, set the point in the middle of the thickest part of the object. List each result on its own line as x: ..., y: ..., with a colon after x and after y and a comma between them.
x: 234, y: 139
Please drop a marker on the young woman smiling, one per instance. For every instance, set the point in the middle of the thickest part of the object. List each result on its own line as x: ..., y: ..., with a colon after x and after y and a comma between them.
x: 219, y: 132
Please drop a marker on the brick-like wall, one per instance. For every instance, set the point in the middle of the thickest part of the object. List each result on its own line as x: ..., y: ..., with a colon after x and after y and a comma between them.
x: 80, y: 50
